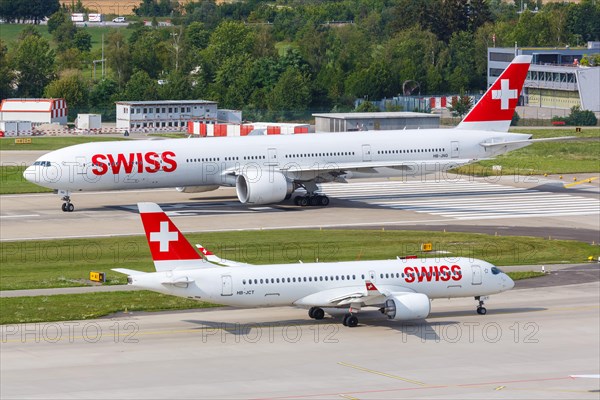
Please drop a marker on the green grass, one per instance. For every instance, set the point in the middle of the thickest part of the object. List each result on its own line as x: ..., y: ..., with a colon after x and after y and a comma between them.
x: 520, y: 275
x: 67, y: 263
x: 12, y: 181
x: 53, y: 143
x: 10, y: 34
x: 16, y: 310
x: 578, y: 156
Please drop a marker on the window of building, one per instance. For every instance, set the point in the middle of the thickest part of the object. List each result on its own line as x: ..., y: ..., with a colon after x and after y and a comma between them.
x: 505, y: 57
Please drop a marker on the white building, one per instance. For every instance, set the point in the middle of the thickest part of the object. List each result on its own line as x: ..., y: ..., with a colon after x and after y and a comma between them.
x: 38, y: 111
x: 132, y: 115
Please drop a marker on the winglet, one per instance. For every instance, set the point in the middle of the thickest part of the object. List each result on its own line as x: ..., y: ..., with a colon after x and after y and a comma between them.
x: 169, y: 248
x: 497, y: 106
x: 371, y: 288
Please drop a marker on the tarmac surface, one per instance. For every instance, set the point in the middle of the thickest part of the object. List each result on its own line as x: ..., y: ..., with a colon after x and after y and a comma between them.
x: 526, y: 347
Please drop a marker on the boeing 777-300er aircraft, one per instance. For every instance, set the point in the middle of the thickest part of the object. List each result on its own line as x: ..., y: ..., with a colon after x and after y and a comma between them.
x: 402, y: 288
x: 268, y: 169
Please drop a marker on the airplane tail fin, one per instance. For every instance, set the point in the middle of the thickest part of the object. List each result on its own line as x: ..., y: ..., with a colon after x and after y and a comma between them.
x: 170, y: 249
x: 496, y: 108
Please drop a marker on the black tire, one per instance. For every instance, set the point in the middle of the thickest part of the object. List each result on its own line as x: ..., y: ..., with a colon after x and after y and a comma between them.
x: 64, y: 207
x: 297, y: 200
x: 303, y: 202
x: 70, y: 207
x: 313, y: 201
x: 345, y: 319
x: 324, y: 201
x: 311, y: 312
x: 352, y: 321
x: 318, y: 313
x: 481, y: 310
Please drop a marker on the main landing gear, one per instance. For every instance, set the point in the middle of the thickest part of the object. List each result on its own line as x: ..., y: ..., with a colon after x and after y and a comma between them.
x: 350, y: 320
x: 311, y: 199
x: 481, y: 310
x: 67, y: 205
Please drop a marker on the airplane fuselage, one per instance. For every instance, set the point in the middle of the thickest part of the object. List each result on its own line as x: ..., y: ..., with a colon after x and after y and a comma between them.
x: 143, y: 164
x: 278, y: 285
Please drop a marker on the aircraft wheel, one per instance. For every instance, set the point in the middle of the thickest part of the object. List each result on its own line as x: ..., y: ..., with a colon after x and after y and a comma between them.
x: 481, y: 310
x: 64, y: 207
x: 345, y: 320
x: 303, y: 202
x: 70, y: 207
x: 324, y: 201
x: 311, y: 312
x: 352, y: 321
x: 318, y: 313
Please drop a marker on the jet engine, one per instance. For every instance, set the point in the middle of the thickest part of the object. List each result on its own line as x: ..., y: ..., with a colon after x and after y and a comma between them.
x: 263, y: 187
x: 197, y: 189
x: 402, y: 307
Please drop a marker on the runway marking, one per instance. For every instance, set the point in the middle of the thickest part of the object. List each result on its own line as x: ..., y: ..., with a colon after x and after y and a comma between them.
x: 371, y: 371
x: 500, y: 387
x: 463, y: 200
x: 348, y: 397
x: 587, y: 180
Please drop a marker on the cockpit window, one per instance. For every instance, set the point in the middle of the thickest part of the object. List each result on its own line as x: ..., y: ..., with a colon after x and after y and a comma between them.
x: 42, y: 163
x: 496, y: 270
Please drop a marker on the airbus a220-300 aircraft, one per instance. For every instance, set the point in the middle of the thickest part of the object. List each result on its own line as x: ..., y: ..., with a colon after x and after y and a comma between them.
x: 402, y: 288
x: 268, y: 169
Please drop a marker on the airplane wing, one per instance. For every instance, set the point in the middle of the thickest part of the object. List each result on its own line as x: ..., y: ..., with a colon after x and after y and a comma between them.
x: 214, y: 259
x: 361, y: 166
x: 367, y: 295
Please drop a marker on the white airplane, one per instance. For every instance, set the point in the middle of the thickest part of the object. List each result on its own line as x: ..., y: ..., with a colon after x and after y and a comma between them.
x: 268, y: 169
x: 402, y: 288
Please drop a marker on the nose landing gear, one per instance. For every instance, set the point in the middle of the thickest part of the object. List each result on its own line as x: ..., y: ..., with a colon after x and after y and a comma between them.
x: 67, y: 205
x: 481, y: 310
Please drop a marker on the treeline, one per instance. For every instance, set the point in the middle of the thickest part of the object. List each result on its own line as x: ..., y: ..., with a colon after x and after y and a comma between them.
x: 27, y: 10
x: 281, y: 59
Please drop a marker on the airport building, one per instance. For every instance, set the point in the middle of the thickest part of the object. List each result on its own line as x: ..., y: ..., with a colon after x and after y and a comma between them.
x: 36, y: 111
x: 173, y: 114
x: 556, y: 78
x: 347, y: 122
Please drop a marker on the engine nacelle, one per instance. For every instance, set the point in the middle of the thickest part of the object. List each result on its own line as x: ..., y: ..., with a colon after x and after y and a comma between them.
x: 197, y: 189
x: 262, y: 186
x: 403, y: 307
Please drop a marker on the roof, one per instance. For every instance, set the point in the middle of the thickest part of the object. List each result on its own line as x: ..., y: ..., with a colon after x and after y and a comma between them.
x: 165, y: 102
x: 30, y: 105
x: 377, y: 115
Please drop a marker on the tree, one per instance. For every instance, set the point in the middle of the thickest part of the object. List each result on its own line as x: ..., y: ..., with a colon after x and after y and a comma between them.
x: 460, y: 105
x: 82, y: 40
x: 72, y: 87
x: 7, y: 75
x: 291, y: 94
x: 367, y: 106
x: 33, y: 63
x: 118, y: 57
x: 141, y: 87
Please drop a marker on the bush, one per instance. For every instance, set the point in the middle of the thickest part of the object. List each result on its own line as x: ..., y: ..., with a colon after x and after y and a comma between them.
x: 581, y: 117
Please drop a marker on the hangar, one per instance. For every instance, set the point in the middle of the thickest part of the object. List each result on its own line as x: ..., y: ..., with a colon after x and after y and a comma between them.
x: 378, y: 121
x: 37, y: 111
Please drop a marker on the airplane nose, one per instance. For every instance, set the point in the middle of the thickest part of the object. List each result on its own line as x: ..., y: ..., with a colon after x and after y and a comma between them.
x: 509, y: 283
x: 30, y: 174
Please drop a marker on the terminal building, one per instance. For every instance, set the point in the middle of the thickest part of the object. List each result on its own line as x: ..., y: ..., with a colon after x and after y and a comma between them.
x: 556, y: 78
x: 173, y: 114
x: 374, y: 121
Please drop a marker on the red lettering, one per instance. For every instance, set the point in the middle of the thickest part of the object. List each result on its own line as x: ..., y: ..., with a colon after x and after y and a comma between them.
x: 140, y: 163
x: 408, y: 274
x: 426, y: 273
x: 152, y: 159
x: 166, y: 157
x: 456, y: 273
x: 100, y: 167
x: 444, y: 271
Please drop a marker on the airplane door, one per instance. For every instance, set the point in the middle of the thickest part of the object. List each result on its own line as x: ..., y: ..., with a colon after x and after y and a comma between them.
x: 476, y: 274
x: 372, y: 276
x: 226, y: 285
x: 272, y: 156
x: 454, y: 149
x: 366, y: 150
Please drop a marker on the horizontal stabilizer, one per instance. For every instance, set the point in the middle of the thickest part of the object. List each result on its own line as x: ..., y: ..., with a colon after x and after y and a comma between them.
x: 128, y: 271
x: 526, y: 142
